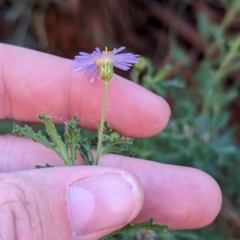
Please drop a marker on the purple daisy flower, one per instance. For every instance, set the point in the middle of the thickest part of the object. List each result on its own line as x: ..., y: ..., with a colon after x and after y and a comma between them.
x: 100, y: 64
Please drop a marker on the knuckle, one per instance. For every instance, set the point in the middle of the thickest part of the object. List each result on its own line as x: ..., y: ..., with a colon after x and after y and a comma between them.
x: 19, y: 212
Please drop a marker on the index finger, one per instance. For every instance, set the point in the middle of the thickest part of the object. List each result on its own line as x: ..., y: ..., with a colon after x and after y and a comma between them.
x: 32, y: 83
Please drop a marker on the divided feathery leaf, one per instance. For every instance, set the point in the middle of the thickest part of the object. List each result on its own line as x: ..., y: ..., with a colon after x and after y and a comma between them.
x: 56, y: 145
x: 85, y: 150
x: 27, y: 131
x: 55, y: 137
x: 113, y: 142
x: 71, y: 135
x: 73, y: 141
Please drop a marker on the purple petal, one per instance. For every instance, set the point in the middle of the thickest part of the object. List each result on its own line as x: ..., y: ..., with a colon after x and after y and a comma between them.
x: 121, y: 66
x: 93, y: 75
x: 118, y: 50
x: 127, y: 55
x: 83, y: 57
x: 81, y: 67
x: 98, y: 50
x: 84, y: 54
x: 91, y: 69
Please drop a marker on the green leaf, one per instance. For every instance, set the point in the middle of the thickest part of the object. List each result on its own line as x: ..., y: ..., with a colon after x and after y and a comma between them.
x: 56, y: 144
x: 85, y: 150
x: 71, y: 135
x: 149, y: 225
x: 161, y: 73
x: 55, y: 137
x: 27, y: 131
x: 113, y: 142
x: 174, y: 83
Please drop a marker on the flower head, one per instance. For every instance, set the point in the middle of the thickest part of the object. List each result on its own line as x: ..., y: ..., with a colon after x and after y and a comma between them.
x: 100, y: 64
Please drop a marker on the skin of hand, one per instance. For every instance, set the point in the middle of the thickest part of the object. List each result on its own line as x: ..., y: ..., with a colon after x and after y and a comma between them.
x: 88, y: 202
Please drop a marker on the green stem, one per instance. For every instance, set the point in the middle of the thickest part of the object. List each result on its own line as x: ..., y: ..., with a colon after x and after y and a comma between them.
x: 230, y: 16
x: 100, y: 131
x: 227, y: 60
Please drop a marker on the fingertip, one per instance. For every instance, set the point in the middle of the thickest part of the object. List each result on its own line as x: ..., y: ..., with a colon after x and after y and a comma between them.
x: 181, y: 197
x: 211, y: 198
x: 199, y: 201
x: 164, y: 113
x: 145, y: 113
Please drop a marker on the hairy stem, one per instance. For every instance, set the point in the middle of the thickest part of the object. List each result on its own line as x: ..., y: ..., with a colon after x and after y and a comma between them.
x: 100, y: 131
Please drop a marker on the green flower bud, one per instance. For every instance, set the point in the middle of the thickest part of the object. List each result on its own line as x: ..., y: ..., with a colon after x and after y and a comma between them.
x: 105, y: 69
x: 141, y: 65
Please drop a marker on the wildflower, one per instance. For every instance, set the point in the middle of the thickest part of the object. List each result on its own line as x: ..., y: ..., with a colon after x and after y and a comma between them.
x: 100, y: 64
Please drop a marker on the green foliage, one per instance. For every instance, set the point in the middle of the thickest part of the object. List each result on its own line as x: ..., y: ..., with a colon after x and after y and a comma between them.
x: 55, y: 143
x: 66, y: 149
x: 85, y: 150
x: 71, y: 136
x: 113, y: 142
x: 199, y: 133
x: 149, y: 225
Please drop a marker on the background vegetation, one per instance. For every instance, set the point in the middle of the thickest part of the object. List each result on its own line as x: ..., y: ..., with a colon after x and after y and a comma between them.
x: 192, y: 58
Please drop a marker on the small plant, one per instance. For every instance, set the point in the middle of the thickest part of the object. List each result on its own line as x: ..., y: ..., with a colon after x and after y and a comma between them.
x: 97, y: 65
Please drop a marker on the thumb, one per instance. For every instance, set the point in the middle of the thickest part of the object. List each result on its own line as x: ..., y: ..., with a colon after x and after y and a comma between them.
x: 67, y: 202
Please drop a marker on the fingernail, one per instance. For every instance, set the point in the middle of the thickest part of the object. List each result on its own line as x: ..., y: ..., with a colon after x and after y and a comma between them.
x: 103, y: 202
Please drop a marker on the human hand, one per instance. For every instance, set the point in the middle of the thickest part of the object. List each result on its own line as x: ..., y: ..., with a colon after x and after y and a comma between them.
x: 88, y: 202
